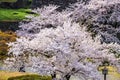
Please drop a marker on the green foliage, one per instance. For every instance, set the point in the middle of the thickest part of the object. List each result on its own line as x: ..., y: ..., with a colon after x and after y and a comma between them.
x: 30, y: 0
x: 31, y: 77
x: 14, y: 14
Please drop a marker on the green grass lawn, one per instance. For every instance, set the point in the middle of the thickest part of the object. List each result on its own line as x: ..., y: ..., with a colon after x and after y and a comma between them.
x: 14, y: 14
x: 6, y: 75
x: 8, y: 0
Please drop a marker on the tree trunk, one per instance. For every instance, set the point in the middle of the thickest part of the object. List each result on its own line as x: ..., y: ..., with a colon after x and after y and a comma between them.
x: 53, y: 76
x: 67, y: 77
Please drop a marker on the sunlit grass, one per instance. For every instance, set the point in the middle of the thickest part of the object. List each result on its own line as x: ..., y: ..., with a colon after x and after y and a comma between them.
x: 113, y: 73
x: 5, y: 75
x: 14, y: 14
x: 110, y: 68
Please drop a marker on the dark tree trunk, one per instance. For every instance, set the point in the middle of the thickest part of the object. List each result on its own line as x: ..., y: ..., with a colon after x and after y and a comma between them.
x: 67, y: 76
x: 22, y: 68
x: 53, y: 76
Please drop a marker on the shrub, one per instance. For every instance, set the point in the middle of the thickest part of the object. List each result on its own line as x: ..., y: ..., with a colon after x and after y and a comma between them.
x: 6, y: 37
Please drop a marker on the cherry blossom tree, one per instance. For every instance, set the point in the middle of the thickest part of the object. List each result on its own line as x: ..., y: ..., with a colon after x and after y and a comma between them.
x: 101, y: 17
x: 61, y: 46
x: 65, y: 50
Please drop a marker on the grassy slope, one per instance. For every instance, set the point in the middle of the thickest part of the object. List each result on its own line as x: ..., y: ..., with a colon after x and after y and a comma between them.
x: 8, y: 0
x: 13, y: 14
x: 5, y: 75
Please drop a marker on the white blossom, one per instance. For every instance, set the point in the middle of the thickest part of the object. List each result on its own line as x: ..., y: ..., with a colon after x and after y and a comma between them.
x: 64, y: 47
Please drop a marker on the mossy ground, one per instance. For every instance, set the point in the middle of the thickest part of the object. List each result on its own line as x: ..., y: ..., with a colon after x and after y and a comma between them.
x: 13, y: 14
x: 5, y: 75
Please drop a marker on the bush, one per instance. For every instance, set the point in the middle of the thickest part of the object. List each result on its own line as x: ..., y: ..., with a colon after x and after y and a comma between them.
x: 6, y: 37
